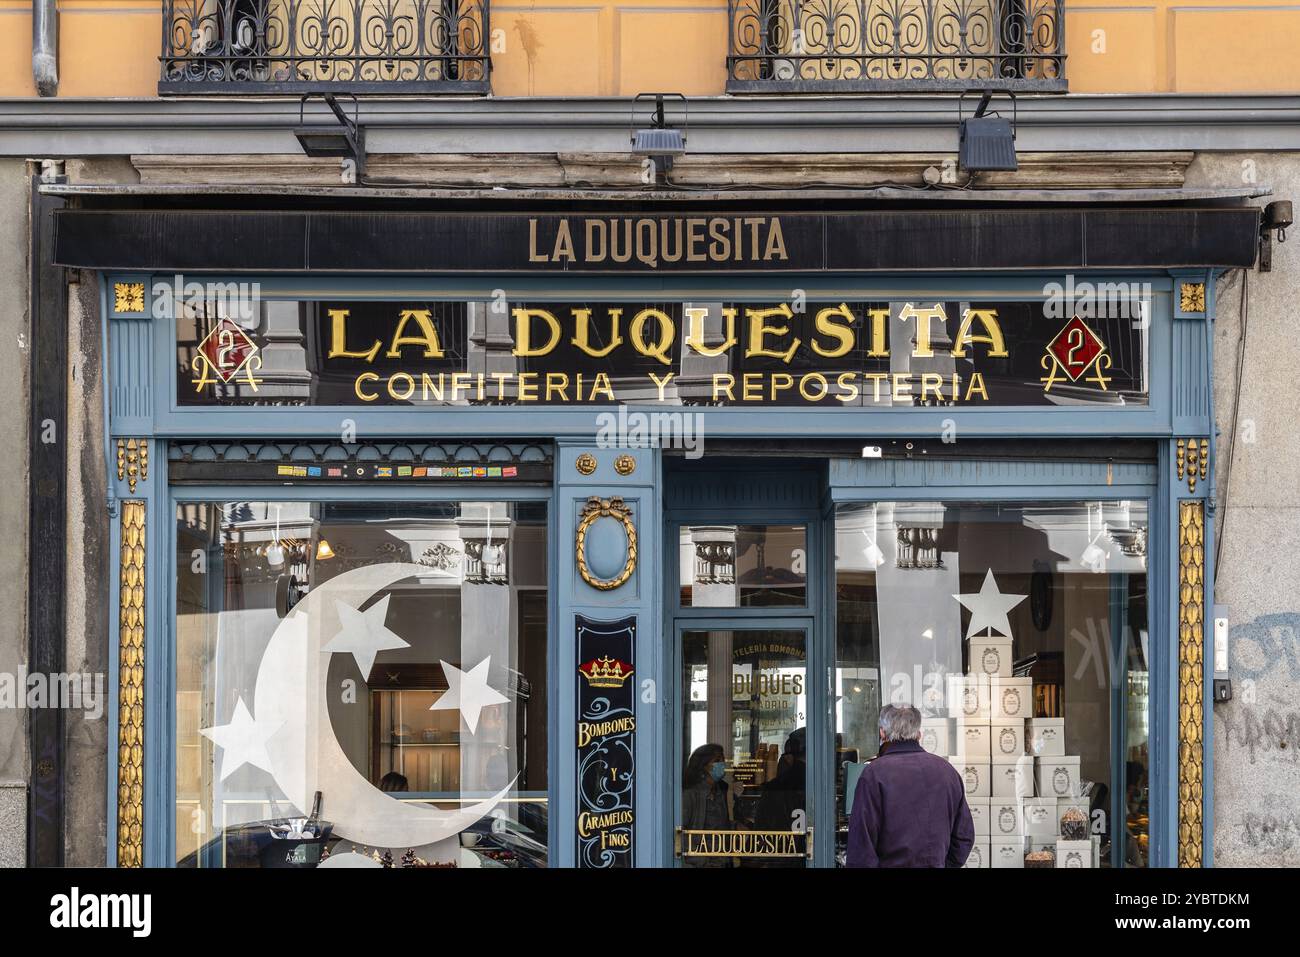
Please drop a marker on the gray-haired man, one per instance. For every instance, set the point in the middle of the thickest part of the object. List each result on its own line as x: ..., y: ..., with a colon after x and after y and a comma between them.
x: 909, y: 809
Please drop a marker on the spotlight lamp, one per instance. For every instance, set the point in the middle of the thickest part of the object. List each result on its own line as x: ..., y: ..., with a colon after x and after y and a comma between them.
x: 986, y: 142
x: 660, y: 141
x: 344, y: 138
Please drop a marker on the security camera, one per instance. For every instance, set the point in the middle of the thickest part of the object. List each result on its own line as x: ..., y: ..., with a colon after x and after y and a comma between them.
x: 1276, y: 218
x: 871, y: 451
x: 1277, y: 215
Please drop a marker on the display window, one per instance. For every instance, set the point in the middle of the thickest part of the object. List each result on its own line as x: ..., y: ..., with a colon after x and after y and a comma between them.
x: 1020, y: 631
x: 361, y: 681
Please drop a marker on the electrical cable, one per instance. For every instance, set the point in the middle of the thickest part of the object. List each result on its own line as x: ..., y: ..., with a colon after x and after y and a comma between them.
x: 1236, y: 412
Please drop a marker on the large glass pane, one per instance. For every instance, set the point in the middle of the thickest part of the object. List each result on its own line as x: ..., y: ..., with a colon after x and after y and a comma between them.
x: 743, y: 566
x: 361, y: 677
x: 1020, y: 631
x: 744, y: 749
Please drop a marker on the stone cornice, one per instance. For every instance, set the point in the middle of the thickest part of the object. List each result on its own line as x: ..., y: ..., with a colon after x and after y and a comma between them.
x: 730, y: 125
x: 1075, y: 170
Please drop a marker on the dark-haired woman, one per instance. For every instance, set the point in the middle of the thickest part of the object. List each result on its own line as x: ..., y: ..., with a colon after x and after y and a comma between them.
x: 706, y: 801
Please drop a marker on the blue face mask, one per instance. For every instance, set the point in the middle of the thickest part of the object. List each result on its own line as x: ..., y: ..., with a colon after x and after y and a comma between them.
x: 717, y: 770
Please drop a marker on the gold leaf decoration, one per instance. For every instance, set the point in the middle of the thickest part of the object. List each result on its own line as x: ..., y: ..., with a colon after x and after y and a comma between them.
x: 1191, y: 297
x: 1191, y: 684
x: 128, y: 297
x: 130, y: 722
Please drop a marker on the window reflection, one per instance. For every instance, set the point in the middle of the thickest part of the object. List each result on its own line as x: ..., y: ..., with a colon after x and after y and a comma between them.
x: 379, y: 668
x: 743, y: 566
x: 963, y: 608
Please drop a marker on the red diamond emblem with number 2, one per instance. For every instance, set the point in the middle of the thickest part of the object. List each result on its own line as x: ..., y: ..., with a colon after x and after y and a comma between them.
x: 1076, y: 348
x: 227, y: 347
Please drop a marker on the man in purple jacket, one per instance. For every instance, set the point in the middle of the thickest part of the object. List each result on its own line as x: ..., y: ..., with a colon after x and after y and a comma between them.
x: 909, y: 808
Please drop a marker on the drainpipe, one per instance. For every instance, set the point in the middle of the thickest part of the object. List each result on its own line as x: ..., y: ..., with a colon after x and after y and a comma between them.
x: 45, y: 47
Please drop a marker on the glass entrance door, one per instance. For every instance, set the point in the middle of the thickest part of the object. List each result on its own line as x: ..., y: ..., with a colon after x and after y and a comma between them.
x: 743, y: 747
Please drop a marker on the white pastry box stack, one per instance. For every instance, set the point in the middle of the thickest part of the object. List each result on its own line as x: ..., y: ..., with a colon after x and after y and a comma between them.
x: 1023, y: 790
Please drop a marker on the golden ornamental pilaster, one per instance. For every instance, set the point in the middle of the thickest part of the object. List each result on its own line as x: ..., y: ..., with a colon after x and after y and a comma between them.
x: 1191, y: 680
x: 130, y: 715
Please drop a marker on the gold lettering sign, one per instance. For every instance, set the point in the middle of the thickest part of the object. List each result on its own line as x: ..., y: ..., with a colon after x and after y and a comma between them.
x: 655, y: 242
x: 588, y: 731
x: 741, y: 844
x: 766, y: 683
x: 634, y: 337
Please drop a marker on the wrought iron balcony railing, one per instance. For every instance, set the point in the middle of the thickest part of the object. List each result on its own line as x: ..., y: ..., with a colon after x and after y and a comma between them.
x: 840, y: 46
x: 347, y: 46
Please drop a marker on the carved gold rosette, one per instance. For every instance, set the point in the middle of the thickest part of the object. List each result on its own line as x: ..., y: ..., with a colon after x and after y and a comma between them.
x: 1191, y: 690
x: 596, y: 508
x: 130, y: 720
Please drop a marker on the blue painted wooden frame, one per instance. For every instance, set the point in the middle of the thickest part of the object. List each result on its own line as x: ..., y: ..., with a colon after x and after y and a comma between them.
x: 142, y: 386
x: 169, y: 419
x: 810, y: 617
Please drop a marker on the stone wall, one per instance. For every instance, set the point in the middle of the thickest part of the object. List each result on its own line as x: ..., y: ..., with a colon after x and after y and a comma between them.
x: 1257, y: 733
x: 15, y: 337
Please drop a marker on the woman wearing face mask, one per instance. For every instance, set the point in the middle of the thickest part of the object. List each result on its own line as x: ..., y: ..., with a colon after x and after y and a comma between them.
x: 706, y: 800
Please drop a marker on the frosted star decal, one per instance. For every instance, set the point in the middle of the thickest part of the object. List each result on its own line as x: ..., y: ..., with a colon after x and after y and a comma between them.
x: 363, y: 634
x: 242, y: 741
x: 989, y: 608
x: 468, y: 692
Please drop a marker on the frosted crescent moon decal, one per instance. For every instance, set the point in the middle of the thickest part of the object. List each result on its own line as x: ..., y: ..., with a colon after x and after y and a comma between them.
x: 291, y: 688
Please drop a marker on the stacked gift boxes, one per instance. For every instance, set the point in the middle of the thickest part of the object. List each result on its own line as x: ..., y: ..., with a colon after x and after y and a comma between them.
x: 1022, y: 788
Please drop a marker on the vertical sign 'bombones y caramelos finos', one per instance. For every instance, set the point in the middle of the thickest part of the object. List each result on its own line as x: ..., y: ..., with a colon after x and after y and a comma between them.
x: 606, y: 741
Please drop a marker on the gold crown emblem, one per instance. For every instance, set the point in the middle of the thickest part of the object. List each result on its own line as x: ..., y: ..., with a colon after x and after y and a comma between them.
x: 606, y: 672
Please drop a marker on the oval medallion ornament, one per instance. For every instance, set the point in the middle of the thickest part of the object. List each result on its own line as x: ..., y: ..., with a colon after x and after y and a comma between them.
x: 1010, y: 701
x: 1007, y: 741
x: 597, y: 508
x: 1061, y: 782
x: 992, y: 661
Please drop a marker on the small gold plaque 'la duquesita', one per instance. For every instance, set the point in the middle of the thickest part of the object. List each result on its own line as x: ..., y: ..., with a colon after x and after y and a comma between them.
x: 586, y: 463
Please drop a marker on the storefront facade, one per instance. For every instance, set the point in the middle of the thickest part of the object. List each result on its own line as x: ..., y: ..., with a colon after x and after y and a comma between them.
x: 617, y: 494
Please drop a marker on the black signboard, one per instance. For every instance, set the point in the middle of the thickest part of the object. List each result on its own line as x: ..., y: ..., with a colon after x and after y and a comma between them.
x: 662, y: 241
x: 606, y: 741
x: 1083, y: 344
